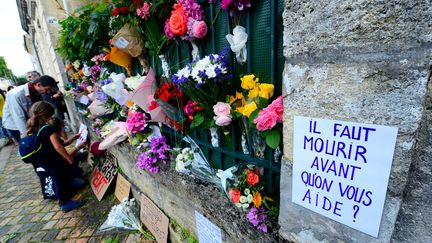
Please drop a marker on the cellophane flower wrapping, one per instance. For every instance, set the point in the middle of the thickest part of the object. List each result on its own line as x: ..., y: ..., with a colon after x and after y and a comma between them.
x: 124, y: 216
x: 192, y: 162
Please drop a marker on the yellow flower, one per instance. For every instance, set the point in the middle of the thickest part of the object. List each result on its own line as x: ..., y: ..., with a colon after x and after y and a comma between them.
x: 249, y: 108
x: 239, y: 96
x: 240, y: 109
x: 254, y: 92
x: 248, y: 82
x: 266, y: 90
x: 76, y: 75
x: 257, y: 200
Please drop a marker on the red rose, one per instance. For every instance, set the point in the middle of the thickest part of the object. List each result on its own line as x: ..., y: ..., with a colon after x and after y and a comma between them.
x: 251, y: 178
x: 234, y: 195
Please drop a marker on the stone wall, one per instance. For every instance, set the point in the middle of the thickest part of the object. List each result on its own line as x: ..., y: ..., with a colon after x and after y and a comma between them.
x: 360, y: 61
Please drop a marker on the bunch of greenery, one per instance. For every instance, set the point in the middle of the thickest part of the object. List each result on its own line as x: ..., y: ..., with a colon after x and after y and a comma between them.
x: 84, y: 34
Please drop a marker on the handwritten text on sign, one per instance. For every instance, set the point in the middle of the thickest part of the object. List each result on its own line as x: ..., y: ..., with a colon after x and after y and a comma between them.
x: 101, y: 177
x: 341, y: 170
x: 154, y: 219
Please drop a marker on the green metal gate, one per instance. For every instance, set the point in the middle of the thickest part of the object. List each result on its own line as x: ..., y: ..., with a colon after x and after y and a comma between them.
x: 264, y: 26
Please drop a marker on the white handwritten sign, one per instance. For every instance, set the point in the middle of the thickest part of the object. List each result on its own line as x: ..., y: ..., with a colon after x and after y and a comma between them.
x: 341, y: 170
x: 83, y: 132
x: 207, y: 231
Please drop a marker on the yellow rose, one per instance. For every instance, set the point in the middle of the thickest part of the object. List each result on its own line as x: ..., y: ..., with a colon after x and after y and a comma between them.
x: 266, y: 90
x: 248, y: 82
x: 249, y: 108
x: 240, y: 109
x: 238, y: 97
x: 253, y: 92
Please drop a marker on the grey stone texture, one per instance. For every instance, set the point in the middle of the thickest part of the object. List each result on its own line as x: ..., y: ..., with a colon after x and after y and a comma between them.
x: 414, y: 220
x: 369, y: 62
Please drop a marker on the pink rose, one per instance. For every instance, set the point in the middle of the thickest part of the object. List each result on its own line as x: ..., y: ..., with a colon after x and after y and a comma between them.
x: 277, y: 107
x: 144, y: 11
x: 266, y: 120
x: 222, y: 109
x: 199, y: 29
x: 222, y: 120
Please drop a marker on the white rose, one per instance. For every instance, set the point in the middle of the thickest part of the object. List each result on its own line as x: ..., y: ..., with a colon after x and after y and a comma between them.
x: 180, y: 157
x: 246, y: 191
x: 180, y: 166
x: 186, y: 150
x: 243, y: 199
x: 249, y: 198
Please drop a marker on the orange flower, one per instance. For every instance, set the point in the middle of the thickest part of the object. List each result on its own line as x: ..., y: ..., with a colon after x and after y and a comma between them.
x: 178, y: 20
x: 69, y: 67
x: 234, y: 195
x: 251, y: 178
x: 257, y: 200
x: 129, y: 104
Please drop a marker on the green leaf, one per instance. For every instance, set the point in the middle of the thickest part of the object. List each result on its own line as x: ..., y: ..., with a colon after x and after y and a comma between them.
x: 263, y: 103
x: 253, y: 115
x: 197, y: 120
x: 208, y: 123
x: 273, y: 138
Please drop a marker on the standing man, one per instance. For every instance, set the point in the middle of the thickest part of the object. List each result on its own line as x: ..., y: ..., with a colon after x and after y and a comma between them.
x: 18, y: 102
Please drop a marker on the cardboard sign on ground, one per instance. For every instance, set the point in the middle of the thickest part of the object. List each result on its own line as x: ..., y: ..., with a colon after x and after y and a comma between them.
x: 101, y: 177
x: 122, y: 188
x: 154, y: 219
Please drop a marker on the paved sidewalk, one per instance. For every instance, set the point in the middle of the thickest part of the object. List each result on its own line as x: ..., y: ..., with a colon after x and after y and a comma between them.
x: 26, y: 217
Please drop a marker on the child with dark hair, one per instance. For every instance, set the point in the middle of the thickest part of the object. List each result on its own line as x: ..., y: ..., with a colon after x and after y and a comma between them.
x: 53, y: 156
x: 79, y: 156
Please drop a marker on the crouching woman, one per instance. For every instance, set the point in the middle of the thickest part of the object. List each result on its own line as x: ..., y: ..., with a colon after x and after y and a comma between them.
x: 53, y: 157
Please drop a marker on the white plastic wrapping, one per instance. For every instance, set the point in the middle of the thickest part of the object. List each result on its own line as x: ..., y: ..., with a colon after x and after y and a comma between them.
x: 124, y: 215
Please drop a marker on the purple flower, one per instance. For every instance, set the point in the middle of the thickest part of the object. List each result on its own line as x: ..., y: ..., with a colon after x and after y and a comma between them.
x: 263, y: 228
x: 252, y: 216
x: 257, y: 217
x: 157, y: 154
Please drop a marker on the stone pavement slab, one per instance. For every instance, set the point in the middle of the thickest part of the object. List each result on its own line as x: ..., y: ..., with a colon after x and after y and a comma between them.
x: 26, y: 217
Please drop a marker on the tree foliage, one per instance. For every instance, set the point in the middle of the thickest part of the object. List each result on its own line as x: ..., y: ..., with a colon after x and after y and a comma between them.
x: 85, y: 34
x: 5, y: 72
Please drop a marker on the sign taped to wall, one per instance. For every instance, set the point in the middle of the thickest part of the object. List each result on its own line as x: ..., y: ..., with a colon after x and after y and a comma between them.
x: 341, y: 170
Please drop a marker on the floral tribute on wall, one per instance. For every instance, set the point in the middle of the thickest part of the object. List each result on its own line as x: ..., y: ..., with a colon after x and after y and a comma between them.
x: 237, y: 40
x: 205, y: 82
x: 247, y: 193
x: 200, y: 95
x: 186, y: 22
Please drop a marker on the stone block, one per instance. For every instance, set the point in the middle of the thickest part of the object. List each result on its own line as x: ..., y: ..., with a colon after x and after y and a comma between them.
x: 359, y: 61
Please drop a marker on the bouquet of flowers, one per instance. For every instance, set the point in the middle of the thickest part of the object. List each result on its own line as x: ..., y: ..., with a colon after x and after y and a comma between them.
x: 192, y: 162
x: 205, y: 81
x: 250, y: 104
x: 239, y: 37
x: 136, y: 122
x: 159, y: 153
x: 172, y: 101
x: 186, y: 21
x: 125, y: 216
x: 246, y: 193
